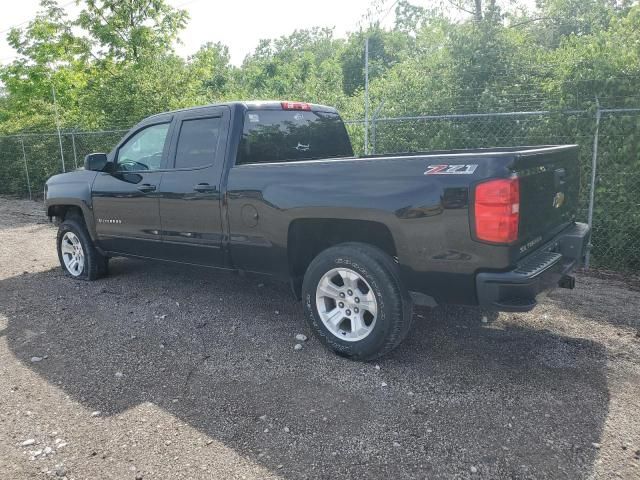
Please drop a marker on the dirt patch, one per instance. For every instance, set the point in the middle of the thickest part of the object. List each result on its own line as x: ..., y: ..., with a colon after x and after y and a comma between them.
x: 161, y: 371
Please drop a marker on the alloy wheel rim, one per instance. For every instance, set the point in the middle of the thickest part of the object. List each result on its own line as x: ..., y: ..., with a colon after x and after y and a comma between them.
x: 346, y: 304
x: 72, y: 253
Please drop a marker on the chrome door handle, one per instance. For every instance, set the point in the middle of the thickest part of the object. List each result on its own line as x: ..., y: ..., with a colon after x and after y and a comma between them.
x: 145, y: 188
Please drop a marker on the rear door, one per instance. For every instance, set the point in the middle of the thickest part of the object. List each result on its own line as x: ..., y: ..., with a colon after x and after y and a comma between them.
x: 189, y: 193
x: 125, y: 200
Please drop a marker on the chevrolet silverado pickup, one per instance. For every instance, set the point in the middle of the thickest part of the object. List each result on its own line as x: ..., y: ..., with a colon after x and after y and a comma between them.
x: 274, y: 188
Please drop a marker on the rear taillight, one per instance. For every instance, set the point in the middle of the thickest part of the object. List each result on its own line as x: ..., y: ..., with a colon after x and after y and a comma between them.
x: 295, y: 106
x: 497, y: 210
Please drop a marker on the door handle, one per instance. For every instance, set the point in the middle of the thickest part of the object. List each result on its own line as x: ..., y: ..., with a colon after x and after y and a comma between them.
x: 204, y: 187
x: 145, y: 188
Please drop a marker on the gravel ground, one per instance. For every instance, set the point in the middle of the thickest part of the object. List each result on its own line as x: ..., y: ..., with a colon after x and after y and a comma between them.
x: 162, y: 371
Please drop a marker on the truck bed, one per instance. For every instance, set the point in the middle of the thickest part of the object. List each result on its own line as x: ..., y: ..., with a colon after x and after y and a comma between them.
x: 425, y: 216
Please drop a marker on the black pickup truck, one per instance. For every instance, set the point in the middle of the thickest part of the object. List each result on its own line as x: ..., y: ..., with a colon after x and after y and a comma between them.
x: 274, y: 188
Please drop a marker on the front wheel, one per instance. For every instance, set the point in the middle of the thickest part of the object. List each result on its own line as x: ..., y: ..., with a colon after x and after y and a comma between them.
x: 355, y: 302
x: 78, y: 257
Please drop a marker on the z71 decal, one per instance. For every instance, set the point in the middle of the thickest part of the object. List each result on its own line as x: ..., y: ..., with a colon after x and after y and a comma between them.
x: 451, y: 169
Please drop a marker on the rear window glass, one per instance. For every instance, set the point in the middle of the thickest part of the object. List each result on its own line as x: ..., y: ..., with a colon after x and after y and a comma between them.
x: 291, y: 135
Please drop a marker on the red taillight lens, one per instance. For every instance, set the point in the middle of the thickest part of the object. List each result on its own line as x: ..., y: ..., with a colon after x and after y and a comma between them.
x: 497, y: 210
x: 295, y: 106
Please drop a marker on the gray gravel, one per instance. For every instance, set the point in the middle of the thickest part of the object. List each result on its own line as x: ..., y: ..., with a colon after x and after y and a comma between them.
x: 161, y: 371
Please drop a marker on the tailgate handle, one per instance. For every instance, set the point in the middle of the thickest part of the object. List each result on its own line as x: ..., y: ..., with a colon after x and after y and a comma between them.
x: 559, y: 178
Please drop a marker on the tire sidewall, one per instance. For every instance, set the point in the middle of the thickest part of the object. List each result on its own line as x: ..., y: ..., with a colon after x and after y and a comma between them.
x: 71, y: 226
x: 387, y: 300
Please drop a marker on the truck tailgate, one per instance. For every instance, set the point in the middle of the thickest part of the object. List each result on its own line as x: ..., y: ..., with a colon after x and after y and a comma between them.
x: 549, y: 186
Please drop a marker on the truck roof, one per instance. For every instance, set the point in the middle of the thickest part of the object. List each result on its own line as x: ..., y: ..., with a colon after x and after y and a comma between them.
x: 246, y: 105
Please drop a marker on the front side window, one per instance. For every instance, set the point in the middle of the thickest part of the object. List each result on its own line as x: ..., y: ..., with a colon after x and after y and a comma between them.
x: 291, y: 135
x: 198, y: 142
x: 143, y: 151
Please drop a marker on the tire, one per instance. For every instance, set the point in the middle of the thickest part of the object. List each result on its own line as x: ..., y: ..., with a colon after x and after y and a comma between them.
x: 365, y: 335
x: 74, y: 237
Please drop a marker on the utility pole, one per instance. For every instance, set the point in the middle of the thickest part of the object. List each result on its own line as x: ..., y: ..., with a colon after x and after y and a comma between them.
x: 366, y: 95
x: 55, y: 108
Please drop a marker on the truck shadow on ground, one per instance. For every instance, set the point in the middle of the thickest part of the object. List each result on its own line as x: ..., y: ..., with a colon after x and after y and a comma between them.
x: 216, y: 350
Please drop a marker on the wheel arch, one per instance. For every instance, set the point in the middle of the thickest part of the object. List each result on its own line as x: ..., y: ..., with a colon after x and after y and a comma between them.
x: 306, y: 238
x: 64, y: 208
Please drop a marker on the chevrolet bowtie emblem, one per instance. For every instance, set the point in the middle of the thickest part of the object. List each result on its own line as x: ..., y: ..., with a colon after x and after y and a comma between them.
x: 558, y: 200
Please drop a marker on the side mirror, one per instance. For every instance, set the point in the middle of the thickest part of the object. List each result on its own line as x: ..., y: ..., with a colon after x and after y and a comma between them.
x: 96, y: 162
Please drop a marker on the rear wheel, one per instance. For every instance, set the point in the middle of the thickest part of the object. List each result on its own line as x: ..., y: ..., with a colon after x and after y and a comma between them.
x: 78, y: 257
x: 355, y: 302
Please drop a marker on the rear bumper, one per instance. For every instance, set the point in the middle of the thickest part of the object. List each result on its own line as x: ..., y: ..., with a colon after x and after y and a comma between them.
x: 546, y: 268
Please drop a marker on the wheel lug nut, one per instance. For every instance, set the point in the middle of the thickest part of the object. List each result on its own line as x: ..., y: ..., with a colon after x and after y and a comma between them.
x: 341, y: 294
x: 357, y: 300
x: 341, y: 305
x: 356, y: 309
x: 349, y: 292
x: 348, y: 312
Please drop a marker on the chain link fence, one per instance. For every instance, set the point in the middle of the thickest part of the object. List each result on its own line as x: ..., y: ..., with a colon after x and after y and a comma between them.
x: 616, y: 205
x: 27, y: 161
x: 609, y: 141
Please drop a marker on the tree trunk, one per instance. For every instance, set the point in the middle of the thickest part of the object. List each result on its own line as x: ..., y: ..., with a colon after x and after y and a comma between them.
x: 478, y: 10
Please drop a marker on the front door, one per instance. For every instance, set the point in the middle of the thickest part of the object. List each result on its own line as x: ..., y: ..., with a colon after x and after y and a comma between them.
x: 125, y: 200
x: 190, y: 198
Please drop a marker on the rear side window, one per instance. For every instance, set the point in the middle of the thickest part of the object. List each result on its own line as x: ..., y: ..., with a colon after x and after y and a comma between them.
x: 197, y: 142
x: 291, y: 135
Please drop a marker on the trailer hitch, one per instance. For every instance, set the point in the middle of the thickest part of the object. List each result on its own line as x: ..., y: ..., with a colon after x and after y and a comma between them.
x: 567, y: 281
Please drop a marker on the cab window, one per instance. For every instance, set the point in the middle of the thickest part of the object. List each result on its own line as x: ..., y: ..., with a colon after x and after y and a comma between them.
x: 197, y: 142
x: 144, y: 150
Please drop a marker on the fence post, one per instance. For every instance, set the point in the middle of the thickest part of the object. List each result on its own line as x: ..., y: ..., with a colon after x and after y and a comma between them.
x: 373, y: 136
x: 73, y: 144
x: 366, y: 95
x: 55, y: 106
x: 26, y: 168
x: 594, y: 167
x: 374, y: 122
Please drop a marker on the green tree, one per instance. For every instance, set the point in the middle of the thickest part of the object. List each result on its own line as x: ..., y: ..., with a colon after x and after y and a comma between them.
x: 118, y: 68
x: 132, y: 29
x: 210, y: 73
x: 559, y: 19
x: 301, y: 66
x: 386, y: 48
x: 49, y: 56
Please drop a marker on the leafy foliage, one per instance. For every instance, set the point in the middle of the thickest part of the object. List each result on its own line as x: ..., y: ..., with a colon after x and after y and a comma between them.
x: 114, y: 64
x: 133, y: 29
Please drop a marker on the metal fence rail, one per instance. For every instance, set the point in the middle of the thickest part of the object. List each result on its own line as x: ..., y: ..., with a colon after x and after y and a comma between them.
x: 609, y: 141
